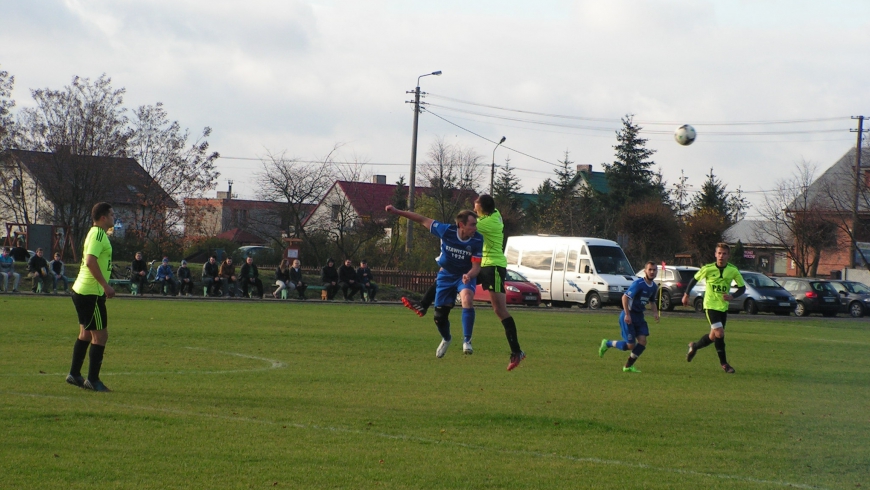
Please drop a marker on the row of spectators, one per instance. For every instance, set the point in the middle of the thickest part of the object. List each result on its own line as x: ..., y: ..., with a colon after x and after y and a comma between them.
x: 218, y: 279
x: 222, y: 279
x: 44, y: 275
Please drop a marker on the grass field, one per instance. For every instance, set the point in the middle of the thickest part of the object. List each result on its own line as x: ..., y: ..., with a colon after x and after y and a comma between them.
x: 257, y: 394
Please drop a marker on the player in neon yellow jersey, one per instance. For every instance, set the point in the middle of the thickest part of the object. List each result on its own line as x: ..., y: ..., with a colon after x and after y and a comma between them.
x: 719, y: 275
x: 89, y: 294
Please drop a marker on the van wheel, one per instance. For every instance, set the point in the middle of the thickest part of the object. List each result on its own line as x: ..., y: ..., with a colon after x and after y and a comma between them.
x: 856, y: 309
x: 593, y: 301
x: 751, y: 307
x: 699, y: 305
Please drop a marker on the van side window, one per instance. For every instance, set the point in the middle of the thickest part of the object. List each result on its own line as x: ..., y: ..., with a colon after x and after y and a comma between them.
x: 572, y: 261
x: 559, y: 262
x: 537, y: 259
x: 585, y: 266
x: 583, y: 250
x: 513, y: 255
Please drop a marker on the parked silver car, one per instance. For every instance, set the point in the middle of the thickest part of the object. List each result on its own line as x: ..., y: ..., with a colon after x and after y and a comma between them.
x: 763, y: 294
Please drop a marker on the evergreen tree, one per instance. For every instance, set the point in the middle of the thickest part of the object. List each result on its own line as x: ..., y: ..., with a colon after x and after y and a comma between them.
x: 506, y: 187
x: 630, y: 176
x: 714, y: 196
x: 542, y: 212
x: 680, y: 197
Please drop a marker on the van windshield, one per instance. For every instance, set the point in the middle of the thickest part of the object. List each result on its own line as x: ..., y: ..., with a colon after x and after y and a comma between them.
x: 610, y: 260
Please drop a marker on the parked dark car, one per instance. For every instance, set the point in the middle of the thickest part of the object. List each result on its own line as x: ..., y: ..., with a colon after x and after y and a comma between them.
x: 813, y: 296
x: 673, y: 281
x: 762, y: 294
x: 854, y: 297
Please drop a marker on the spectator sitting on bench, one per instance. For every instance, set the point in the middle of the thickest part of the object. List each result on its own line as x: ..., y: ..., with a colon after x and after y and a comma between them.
x: 282, y: 278
x: 296, y: 278
x: 7, y: 270
x: 185, y: 279
x: 139, y: 272
x: 165, y: 277
x: 211, y: 277
x: 329, y: 278
x: 38, y: 271
x: 57, y: 270
x: 366, y: 281
x: 228, y: 277
x: 251, y: 277
x: 347, y: 280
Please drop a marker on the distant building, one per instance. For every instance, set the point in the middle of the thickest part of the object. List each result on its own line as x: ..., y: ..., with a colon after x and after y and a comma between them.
x: 761, y: 251
x: 248, y: 220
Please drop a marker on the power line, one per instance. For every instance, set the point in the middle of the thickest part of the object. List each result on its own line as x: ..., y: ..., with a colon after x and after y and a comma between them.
x: 491, y: 141
x: 646, y: 131
x: 653, y: 123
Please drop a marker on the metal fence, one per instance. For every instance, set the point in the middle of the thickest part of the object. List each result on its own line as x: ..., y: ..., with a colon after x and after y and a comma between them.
x: 417, y: 282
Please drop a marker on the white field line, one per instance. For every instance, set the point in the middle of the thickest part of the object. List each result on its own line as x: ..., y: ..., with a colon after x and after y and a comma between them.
x: 423, y: 440
x: 274, y: 364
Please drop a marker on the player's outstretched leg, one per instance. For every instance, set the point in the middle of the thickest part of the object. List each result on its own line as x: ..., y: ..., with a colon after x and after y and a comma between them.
x: 414, y: 306
x: 516, y: 358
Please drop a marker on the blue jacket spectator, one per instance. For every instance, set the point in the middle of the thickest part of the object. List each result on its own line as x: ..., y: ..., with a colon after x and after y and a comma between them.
x: 165, y: 277
x: 7, y: 271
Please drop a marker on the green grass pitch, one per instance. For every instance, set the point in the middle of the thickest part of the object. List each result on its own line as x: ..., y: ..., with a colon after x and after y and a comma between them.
x: 267, y: 394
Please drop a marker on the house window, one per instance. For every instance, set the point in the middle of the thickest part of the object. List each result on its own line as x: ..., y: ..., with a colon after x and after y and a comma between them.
x: 336, y: 212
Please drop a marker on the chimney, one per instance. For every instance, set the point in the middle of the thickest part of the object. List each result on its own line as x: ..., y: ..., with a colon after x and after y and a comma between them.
x: 586, y: 169
x: 228, y: 194
x: 379, y: 179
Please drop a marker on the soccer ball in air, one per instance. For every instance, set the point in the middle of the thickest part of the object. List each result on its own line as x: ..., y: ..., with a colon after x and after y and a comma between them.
x: 685, y: 135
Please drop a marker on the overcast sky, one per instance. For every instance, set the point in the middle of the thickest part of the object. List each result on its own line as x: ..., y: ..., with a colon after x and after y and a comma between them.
x: 300, y: 77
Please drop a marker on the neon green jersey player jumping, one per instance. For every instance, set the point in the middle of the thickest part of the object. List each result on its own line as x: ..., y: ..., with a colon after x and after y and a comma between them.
x: 718, y: 276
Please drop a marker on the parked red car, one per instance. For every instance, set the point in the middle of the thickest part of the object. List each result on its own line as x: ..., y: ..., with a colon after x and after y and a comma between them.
x: 518, y: 291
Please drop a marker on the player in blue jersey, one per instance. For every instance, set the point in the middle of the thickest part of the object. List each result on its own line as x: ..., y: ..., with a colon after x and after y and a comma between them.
x: 461, y: 254
x: 634, y: 327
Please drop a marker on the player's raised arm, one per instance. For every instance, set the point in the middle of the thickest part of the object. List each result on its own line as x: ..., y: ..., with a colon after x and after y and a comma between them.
x: 418, y: 218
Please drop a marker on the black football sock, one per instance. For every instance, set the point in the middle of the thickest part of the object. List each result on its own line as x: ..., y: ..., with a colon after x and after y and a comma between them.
x: 631, y: 360
x: 96, y: 362
x: 80, y: 350
x: 720, y: 349
x: 510, y: 331
x: 428, y: 298
x: 703, y: 342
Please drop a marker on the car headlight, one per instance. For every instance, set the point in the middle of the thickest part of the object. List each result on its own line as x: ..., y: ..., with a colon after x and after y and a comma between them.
x: 614, y: 289
x: 512, y: 289
x: 867, y: 300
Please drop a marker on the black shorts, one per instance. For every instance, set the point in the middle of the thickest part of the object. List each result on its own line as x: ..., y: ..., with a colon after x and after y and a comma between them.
x: 716, y: 316
x: 91, y: 310
x: 491, y: 278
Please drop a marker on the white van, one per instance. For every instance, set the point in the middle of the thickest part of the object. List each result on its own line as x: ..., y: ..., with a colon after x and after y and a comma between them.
x: 567, y: 270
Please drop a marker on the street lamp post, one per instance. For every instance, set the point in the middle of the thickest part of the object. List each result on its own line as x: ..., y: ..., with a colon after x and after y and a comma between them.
x: 492, y: 173
x: 412, y: 181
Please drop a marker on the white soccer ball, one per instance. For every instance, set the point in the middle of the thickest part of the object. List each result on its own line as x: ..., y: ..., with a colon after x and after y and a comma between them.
x: 685, y: 135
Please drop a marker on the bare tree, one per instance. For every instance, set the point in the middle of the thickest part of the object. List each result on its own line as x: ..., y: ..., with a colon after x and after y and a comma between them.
x: 453, y: 173
x: 794, y: 220
x: 297, y: 185
x: 87, y: 117
x: 177, y: 170
x: 7, y: 83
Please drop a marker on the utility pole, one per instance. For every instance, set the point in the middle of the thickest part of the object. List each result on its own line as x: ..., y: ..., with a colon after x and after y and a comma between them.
x: 409, y: 234
x: 853, y: 246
